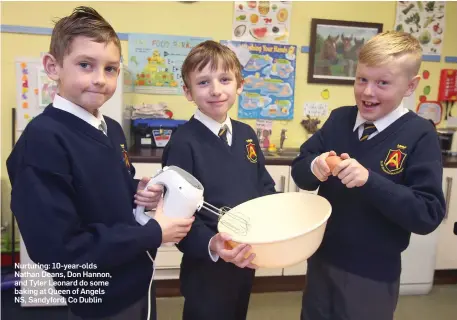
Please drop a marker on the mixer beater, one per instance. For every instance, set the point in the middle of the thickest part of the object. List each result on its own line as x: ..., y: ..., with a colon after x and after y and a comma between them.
x: 235, y: 221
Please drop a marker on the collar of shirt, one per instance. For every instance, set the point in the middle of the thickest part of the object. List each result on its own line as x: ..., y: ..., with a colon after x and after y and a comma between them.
x: 212, y: 124
x: 385, y: 121
x: 83, y: 114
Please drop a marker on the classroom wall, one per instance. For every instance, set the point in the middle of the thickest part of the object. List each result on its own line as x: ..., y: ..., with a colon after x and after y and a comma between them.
x: 206, y: 19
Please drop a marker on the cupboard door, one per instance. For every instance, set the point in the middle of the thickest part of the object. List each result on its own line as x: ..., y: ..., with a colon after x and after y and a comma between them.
x: 446, y: 255
x: 146, y: 169
x: 294, y: 188
x: 296, y: 270
x: 280, y: 175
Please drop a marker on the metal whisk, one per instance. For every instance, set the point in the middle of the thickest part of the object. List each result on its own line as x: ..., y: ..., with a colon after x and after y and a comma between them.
x: 235, y: 221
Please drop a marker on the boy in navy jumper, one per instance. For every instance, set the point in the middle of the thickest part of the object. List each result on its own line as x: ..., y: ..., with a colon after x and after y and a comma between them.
x: 224, y: 155
x: 387, y: 186
x: 73, y: 191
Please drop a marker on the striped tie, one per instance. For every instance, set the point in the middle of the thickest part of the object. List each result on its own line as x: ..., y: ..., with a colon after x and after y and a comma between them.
x: 368, y: 129
x: 223, y: 134
x: 102, y: 128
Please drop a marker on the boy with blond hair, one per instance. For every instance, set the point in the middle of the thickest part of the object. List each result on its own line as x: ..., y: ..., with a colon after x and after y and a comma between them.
x: 225, y: 156
x: 387, y: 186
x: 73, y: 191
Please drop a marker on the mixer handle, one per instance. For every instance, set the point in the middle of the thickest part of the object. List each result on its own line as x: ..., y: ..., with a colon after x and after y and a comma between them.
x: 141, y: 217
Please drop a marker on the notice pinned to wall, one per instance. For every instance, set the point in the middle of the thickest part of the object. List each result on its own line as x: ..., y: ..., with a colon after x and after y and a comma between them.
x: 27, y: 91
x: 269, y: 81
x: 262, y: 21
x: 425, y: 20
x: 155, y: 61
x: 315, y: 109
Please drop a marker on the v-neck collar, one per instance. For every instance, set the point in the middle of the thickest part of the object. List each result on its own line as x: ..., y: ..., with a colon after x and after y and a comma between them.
x: 213, y: 125
x: 76, y: 123
x: 205, y: 131
x: 356, y: 144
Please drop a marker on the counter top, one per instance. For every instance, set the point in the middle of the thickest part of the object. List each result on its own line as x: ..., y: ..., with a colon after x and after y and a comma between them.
x: 449, y: 161
x: 149, y: 155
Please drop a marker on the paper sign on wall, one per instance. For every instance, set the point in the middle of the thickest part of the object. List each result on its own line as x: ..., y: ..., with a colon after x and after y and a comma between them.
x: 47, y: 88
x: 264, y: 124
x: 262, y: 21
x: 264, y: 131
x: 242, y: 53
x: 425, y: 20
x: 27, y: 91
x: 315, y: 109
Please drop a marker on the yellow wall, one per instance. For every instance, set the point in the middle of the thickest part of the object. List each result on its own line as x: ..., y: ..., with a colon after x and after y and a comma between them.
x: 206, y: 19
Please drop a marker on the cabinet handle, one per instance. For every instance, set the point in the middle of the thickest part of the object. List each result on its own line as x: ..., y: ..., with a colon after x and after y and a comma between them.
x: 448, y: 196
x: 283, y: 183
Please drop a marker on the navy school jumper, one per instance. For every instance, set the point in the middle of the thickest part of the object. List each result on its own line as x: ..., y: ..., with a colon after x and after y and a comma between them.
x: 72, y: 195
x: 371, y: 225
x: 230, y: 175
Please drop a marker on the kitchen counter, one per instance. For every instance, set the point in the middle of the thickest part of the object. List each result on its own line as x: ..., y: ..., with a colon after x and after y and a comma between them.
x: 149, y: 155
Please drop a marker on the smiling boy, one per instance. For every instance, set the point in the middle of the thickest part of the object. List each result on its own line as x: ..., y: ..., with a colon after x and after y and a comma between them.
x: 224, y: 155
x: 387, y: 186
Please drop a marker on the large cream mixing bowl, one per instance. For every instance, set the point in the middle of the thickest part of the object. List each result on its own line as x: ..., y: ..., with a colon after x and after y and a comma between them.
x: 284, y: 228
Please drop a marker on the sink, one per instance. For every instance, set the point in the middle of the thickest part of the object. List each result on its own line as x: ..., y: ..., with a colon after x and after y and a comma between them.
x: 289, y: 154
x: 286, y: 153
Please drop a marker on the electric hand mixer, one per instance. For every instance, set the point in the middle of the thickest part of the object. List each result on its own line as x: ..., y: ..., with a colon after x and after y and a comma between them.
x: 184, y: 197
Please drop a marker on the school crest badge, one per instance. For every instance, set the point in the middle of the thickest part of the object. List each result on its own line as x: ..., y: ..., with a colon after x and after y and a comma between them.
x: 125, y: 157
x: 393, y: 164
x: 251, y: 154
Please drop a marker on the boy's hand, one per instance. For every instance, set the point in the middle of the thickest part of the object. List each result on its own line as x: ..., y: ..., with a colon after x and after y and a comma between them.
x: 320, y: 167
x: 173, y: 229
x: 148, y: 198
x: 236, y: 255
x: 351, y: 172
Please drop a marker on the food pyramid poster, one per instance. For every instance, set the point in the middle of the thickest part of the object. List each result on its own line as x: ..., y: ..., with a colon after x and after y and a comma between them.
x: 156, y: 60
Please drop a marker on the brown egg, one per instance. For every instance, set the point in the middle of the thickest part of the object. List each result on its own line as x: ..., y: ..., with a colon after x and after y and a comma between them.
x: 332, y: 161
x: 232, y: 244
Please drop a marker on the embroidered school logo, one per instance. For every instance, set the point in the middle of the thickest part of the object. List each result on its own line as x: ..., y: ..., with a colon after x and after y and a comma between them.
x: 125, y: 157
x: 250, y: 151
x: 393, y: 164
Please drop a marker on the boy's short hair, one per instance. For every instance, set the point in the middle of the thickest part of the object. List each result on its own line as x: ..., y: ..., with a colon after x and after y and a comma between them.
x: 214, y: 53
x: 85, y: 22
x: 390, y: 45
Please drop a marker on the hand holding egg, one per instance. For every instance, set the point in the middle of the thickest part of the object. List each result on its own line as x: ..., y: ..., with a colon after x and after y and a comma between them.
x: 321, y: 168
x: 333, y: 161
x: 350, y: 172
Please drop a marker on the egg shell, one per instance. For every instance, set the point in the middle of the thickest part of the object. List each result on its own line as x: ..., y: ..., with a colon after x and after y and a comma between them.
x: 332, y: 161
x: 233, y: 244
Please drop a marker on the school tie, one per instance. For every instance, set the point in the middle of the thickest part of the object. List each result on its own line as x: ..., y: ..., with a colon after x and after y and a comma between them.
x: 368, y: 129
x: 223, y: 134
x: 102, y: 128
